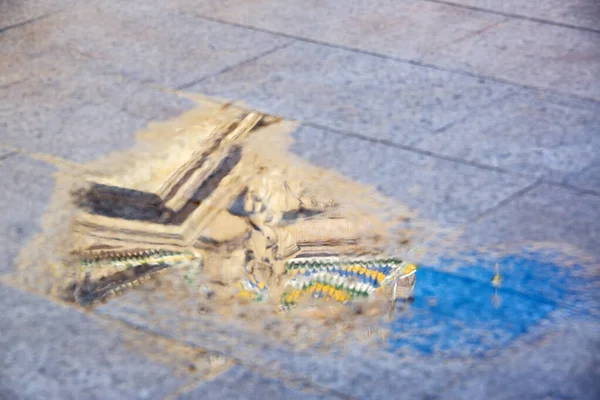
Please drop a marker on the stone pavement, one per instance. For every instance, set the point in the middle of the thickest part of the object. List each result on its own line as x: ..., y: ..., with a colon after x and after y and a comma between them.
x: 483, y: 115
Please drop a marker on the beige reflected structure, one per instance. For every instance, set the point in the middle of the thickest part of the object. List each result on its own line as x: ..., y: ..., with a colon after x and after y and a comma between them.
x: 216, y: 194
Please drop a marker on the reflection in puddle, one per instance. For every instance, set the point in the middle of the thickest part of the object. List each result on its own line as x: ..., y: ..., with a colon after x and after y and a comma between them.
x: 344, y: 281
x: 217, y: 205
x: 212, y: 206
x: 463, y: 313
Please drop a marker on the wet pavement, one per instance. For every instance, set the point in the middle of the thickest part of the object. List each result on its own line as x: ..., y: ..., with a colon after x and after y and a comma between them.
x: 483, y: 116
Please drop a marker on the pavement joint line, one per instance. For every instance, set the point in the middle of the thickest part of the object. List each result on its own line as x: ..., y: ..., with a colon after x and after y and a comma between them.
x: 376, y: 54
x: 416, y: 150
x: 195, y: 383
x: 467, y: 36
x: 62, y: 163
x: 513, y: 16
x: 573, y: 188
x: 8, y: 85
x: 398, y: 59
x: 118, y: 322
x: 293, y: 382
x: 28, y: 21
x: 7, y: 155
x: 59, y: 162
x: 4, y: 280
x: 240, y: 64
x: 169, y: 90
x: 113, y: 322
x: 502, y: 203
x: 186, y: 388
x: 410, y: 147
x: 337, y: 131
x: 49, y: 159
x: 471, y: 114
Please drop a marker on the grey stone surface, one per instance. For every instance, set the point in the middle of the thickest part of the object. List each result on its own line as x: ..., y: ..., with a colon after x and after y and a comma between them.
x: 242, y: 383
x: 4, y: 153
x: 406, y: 29
x: 530, y: 53
x: 344, y: 90
x: 546, y: 214
x: 520, y: 51
x: 556, y: 357
x: 354, y: 370
x: 580, y: 13
x: 81, y: 115
x: 49, y: 351
x: 532, y: 133
x: 62, y: 77
x: 142, y: 43
x: 448, y: 192
x: 25, y: 188
x: 58, y: 102
x: 589, y: 177
x: 565, y: 365
x: 14, y: 12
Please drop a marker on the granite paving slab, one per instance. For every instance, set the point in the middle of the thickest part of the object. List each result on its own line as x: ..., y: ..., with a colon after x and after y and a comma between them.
x: 546, y: 214
x: 66, y: 78
x: 519, y: 50
x: 81, y: 115
x: 452, y: 338
x: 14, y: 13
x: 5, y: 153
x: 589, y: 177
x: 344, y: 90
x: 449, y: 193
x: 243, y: 383
x: 354, y: 371
x: 26, y: 189
x: 532, y: 54
x: 563, y: 365
x: 406, y: 29
x: 578, y: 13
x: 132, y: 42
x: 49, y: 351
x: 533, y: 133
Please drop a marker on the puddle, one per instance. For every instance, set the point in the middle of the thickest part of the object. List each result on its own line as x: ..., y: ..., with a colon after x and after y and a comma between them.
x: 235, y: 208
x: 460, y: 313
x: 210, y: 213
